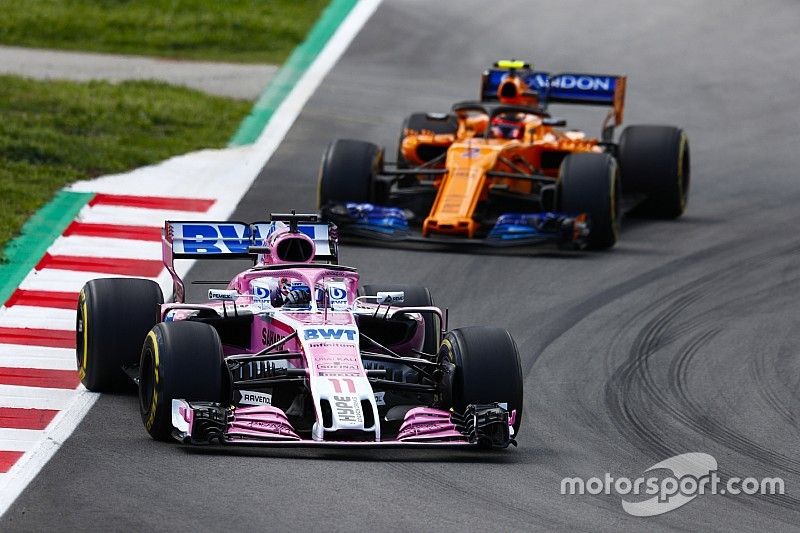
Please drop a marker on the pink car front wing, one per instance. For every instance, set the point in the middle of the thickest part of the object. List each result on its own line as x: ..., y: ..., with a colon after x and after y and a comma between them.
x: 486, y: 426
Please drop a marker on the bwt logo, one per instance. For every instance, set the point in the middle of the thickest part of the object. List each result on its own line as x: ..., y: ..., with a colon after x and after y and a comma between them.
x: 226, y: 238
x: 337, y: 293
x: 329, y: 334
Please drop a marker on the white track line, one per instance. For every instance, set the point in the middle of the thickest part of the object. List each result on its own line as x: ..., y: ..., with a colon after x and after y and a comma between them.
x: 196, y: 175
x: 15, y: 480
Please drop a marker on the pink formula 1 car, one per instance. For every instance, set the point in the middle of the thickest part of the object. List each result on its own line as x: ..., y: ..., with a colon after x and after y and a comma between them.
x: 294, y: 351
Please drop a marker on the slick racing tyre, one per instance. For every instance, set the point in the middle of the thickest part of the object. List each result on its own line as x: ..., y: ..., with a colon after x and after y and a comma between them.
x: 348, y: 173
x: 435, y: 123
x: 488, y: 368
x: 113, y: 318
x: 180, y: 360
x: 589, y: 183
x: 415, y: 296
x: 654, y: 160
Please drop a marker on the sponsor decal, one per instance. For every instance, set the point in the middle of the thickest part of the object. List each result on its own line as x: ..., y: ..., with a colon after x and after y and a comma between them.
x: 269, y: 337
x: 348, y: 409
x: 221, y: 238
x: 379, y: 398
x: 260, y: 289
x: 337, y: 367
x: 391, y: 298
x: 220, y: 294
x: 582, y: 82
x: 255, y: 398
x: 337, y: 293
x: 471, y: 152
x: 329, y: 333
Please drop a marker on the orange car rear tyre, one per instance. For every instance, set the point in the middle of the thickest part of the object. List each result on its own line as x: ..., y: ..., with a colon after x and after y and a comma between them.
x: 654, y: 160
x: 590, y: 183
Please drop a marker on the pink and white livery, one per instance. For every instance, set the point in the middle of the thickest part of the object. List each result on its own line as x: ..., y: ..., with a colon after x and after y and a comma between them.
x: 295, y: 351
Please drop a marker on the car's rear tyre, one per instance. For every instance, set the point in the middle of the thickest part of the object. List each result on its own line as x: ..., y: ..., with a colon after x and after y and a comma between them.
x: 113, y: 318
x: 179, y: 360
x: 654, y: 160
x: 348, y: 173
x: 415, y: 296
x: 590, y: 183
x: 487, y: 370
x: 418, y: 122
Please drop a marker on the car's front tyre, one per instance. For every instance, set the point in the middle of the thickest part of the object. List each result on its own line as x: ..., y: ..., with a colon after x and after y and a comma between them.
x: 179, y: 360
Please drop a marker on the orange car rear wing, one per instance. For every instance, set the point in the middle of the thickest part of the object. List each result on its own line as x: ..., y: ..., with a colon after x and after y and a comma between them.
x: 565, y: 88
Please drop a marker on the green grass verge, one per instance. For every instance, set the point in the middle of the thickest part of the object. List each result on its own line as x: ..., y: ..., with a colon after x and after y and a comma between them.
x: 54, y: 133
x: 263, y: 31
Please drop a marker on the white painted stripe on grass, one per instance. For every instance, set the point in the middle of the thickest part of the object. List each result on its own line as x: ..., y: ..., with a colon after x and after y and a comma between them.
x: 24, y: 316
x: 105, y: 247
x: 35, y: 397
x: 19, y: 440
x: 17, y: 478
x: 24, y: 356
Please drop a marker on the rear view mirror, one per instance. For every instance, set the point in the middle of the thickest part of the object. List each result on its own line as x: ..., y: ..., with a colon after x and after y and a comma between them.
x: 554, y: 121
x: 391, y: 298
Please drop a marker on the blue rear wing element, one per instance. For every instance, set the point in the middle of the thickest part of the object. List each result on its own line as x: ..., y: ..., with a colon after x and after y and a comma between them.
x: 565, y: 88
x: 232, y: 240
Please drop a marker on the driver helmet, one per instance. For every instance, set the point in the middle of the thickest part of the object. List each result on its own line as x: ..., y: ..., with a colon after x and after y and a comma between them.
x: 508, y: 126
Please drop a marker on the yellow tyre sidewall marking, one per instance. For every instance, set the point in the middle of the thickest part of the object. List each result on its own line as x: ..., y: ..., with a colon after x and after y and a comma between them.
x: 151, y: 417
x: 450, y: 353
x: 85, y: 316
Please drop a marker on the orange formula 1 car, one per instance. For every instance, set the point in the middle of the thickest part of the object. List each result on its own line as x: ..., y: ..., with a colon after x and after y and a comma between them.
x: 503, y: 172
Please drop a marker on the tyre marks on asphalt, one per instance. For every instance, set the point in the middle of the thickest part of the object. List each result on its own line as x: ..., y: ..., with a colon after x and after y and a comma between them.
x: 655, y: 398
x: 113, y: 235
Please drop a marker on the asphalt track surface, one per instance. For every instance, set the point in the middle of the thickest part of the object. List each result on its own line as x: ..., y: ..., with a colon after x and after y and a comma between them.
x: 684, y: 338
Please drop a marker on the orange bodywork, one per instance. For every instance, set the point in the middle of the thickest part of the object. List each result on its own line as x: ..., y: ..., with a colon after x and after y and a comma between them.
x: 470, y: 157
